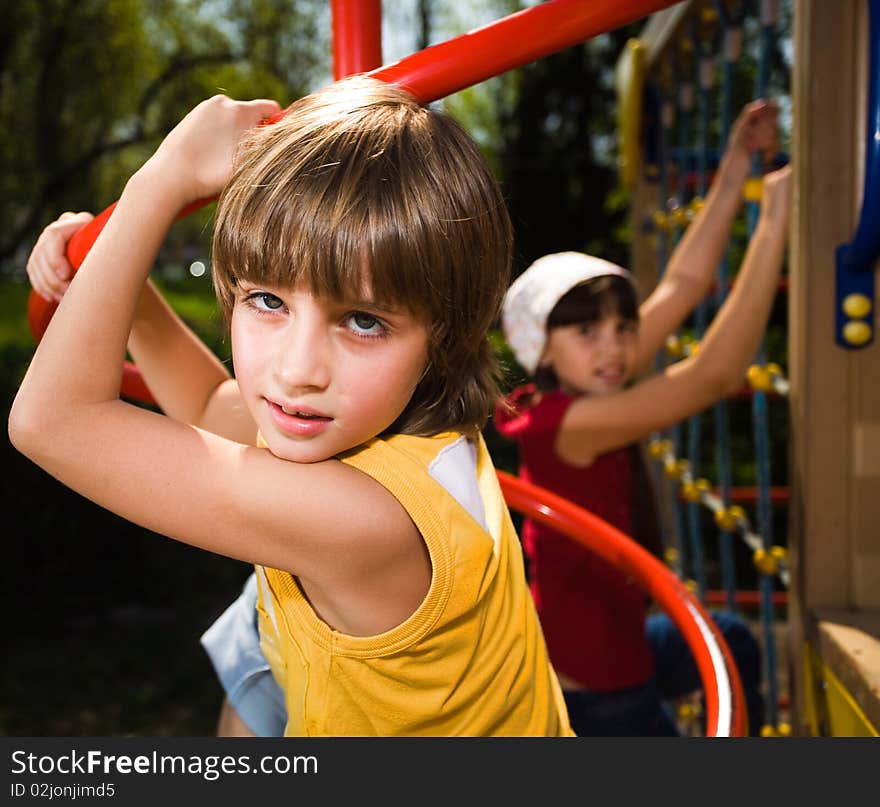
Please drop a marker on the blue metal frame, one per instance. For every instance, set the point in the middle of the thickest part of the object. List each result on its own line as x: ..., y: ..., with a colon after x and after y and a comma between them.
x: 855, y: 260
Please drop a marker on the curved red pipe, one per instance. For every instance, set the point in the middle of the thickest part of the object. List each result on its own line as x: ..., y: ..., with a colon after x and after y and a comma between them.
x: 656, y: 579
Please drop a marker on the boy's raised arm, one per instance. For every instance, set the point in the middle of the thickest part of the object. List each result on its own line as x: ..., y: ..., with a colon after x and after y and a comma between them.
x: 187, y: 380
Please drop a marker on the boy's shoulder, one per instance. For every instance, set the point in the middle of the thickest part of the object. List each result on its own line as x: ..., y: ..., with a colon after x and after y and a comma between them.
x: 420, y: 449
x: 413, y: 467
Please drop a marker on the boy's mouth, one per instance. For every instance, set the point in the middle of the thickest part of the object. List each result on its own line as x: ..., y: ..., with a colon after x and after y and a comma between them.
x: 303, y: 414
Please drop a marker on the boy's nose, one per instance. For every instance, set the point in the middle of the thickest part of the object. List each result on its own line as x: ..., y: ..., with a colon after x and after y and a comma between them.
x: 302, y: 361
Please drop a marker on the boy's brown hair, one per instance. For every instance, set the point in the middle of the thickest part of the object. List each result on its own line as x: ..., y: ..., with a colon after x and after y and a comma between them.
x: 359, y: 186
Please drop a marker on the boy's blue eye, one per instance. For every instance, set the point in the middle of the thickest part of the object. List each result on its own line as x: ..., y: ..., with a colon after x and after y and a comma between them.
x: 365, y: 324
x: 264, y: 301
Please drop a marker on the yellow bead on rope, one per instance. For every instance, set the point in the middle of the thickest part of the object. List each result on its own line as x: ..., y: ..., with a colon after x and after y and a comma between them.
x: 680, y: 216
x: 768, y: 561
x: 676, y: 469
x: 687, y: 712
x: 661, y: 221
x: 670, y: 555
x: 657, y: 448
x: 691, y: 347
x: 690, y: 492
x: 674, y: 346
x: 694, y: 489
x: 781, y: 730
x: 729, y: 518
x: 753, y: 189
x: 759, y: 378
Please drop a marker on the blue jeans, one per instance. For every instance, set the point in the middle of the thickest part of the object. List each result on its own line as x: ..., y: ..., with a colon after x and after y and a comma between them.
x: 643, y: 711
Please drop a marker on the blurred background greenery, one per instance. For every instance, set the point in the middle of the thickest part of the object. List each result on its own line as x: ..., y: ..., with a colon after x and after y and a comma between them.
x: 102, y: 618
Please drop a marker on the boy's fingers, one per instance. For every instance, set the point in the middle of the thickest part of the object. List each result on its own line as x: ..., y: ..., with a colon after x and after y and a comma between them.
x: 42, y: 279
x: 265, y: 107
x: 69, y: 223
x: 62, y: 231
x: 47, y: 267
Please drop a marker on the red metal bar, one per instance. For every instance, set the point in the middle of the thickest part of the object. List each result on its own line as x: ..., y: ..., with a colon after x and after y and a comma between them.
x: 744, y: 597
x: 749, y: 495
x: 746, y: 392
x: 778, y: 494
x: 512, y: 41
x: 657, y: 580
x: 357, y: 36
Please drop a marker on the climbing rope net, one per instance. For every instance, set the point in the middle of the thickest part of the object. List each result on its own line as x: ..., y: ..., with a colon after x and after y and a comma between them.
x: 719, y: 49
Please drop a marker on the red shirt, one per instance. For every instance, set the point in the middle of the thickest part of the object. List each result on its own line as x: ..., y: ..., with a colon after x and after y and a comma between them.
x: 592, y: 615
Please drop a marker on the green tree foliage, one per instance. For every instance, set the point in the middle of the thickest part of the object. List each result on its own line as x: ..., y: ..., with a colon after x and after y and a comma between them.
x: 558, y: 152
x: 88, y: 88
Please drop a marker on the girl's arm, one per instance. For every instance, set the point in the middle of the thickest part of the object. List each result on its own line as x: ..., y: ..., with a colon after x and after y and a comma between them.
x: 691, y: 269
x: 362, y: 564
x: 596, y: 424
x: 188, y: 382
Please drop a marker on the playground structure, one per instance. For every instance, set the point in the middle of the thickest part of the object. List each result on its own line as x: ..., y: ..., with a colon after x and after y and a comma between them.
x: 827, y: 573
x: 558, y: 24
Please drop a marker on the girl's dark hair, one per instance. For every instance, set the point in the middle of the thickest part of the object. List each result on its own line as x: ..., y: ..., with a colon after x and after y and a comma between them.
x: 586, y: 303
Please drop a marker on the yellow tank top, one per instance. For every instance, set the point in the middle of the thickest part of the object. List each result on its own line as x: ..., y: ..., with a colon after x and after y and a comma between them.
x: 471, y: 660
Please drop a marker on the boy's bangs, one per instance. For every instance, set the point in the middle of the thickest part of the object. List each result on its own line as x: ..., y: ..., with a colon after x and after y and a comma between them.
x: 346, y: 237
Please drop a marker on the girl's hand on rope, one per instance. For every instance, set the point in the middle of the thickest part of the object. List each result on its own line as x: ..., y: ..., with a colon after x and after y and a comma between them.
x: 756, y: 130
x: 194, y: 160
x: 48, y: 269
x: 776, y: 197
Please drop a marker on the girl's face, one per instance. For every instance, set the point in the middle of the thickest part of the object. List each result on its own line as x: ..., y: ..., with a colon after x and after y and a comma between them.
x: 596, y: 358
x: 321, y: 376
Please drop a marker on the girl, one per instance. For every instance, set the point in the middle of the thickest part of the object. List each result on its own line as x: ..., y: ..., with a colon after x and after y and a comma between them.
x: 574, y: 324
x: 361, y: 252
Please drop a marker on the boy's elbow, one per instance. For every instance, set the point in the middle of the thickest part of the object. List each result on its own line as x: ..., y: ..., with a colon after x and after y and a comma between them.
x: 24, y: 427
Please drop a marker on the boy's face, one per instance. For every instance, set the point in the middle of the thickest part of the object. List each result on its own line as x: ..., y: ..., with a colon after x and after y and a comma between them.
x: 321, y: 376
x: 595, y: 358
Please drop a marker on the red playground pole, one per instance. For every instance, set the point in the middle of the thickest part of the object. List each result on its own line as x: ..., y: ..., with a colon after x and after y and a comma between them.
x: 357, y: 36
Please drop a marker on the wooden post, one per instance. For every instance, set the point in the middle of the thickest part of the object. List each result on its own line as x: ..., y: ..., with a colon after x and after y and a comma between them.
x: 834, y: 526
